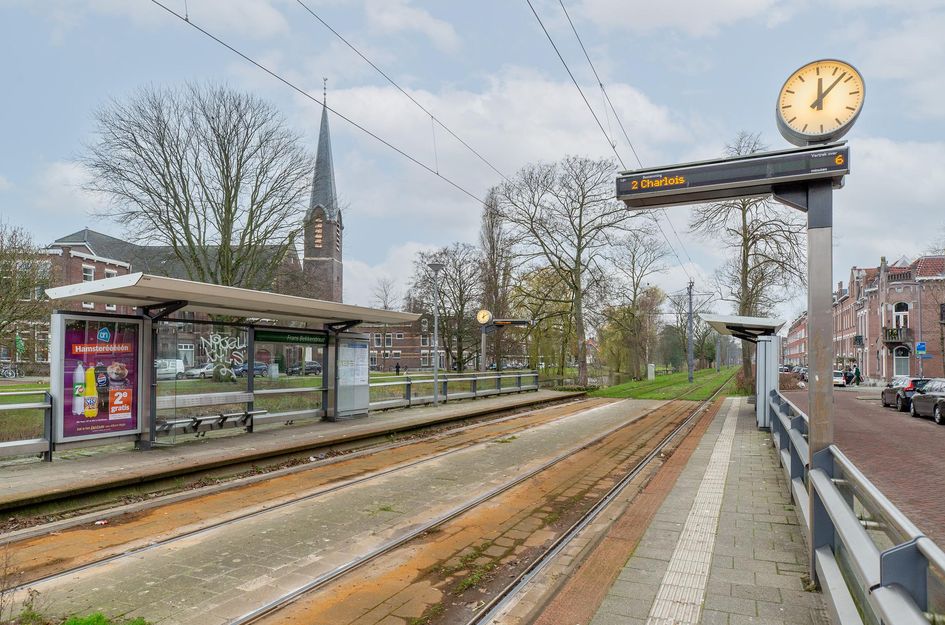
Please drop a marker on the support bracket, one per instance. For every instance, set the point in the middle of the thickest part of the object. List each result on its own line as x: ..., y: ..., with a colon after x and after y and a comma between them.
x: 337, y: 327
x: 156, y: 312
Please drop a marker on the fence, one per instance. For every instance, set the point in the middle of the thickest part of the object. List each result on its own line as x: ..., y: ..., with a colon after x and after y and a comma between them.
x: 873, y: 564
x: 199, y: 413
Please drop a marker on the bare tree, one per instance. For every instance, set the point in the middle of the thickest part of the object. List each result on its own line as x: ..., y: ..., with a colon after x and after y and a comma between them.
x: 212, y: 173
x: 25, y: 271
x: 767, y: 242
x: 459, y: 285
x: 560, y: 214
x: 385, y: 293
x: 497, y: 245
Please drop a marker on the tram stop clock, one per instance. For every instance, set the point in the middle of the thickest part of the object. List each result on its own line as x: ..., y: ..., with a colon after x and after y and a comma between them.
x: 820, y: 102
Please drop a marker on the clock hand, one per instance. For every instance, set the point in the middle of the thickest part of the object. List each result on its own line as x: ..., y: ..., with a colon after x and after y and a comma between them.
x: 820, y: 100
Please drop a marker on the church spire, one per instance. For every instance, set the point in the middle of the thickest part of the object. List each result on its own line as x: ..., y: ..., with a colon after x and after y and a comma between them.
x: 323, y: 182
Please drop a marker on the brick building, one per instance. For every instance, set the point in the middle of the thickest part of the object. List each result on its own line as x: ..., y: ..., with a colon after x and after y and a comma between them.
x: 795, y: 345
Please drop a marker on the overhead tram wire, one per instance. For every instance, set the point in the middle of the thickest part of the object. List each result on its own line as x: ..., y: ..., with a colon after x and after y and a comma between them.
x: 625, y: 134
x: 307, y: 95
x: 399, y: 88
x: 610, y: 142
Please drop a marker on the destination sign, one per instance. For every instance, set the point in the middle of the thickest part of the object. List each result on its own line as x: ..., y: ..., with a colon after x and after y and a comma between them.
x: 286, y: 336
x: 741, y: 176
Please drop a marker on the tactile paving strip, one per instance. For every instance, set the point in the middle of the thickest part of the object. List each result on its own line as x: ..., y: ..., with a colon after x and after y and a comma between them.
x: 682, y: 590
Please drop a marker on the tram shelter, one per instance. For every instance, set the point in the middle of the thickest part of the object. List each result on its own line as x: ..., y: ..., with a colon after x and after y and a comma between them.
x: 104, y: 374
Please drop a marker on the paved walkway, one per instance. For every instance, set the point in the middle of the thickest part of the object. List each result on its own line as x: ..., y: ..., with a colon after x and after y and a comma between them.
x: 725, y: 547
x: 95, y: 469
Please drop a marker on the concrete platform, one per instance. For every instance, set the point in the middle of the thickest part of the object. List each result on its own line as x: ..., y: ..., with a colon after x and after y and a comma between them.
x: 72, y: 473
x: 725, y: 546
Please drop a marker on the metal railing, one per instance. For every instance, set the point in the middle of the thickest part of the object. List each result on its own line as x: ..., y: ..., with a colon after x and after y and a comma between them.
x: 873, y: 564
x: 40, y: 444
x: 419, y: 391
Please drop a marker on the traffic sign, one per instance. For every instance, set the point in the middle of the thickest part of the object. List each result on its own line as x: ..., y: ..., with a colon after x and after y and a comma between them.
x: 920, y: 348
x: 925, y: 357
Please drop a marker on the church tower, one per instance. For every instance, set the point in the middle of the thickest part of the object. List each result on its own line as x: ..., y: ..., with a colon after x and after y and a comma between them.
x: 322, y: 260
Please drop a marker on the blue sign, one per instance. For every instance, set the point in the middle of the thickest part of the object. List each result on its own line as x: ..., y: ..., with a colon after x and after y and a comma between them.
x: 925, y: 357
x: 105, y: 336
x: 920, y: 348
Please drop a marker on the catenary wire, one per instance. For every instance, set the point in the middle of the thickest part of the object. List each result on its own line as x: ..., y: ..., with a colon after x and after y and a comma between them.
x: 307, y: 95
x: 626, y: 135
x: 399, y: 88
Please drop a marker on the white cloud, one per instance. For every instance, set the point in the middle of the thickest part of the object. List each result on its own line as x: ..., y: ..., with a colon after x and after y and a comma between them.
x: 694, y: 17
x: 393, y: 16
x: 5, y: 183
x: 361, y: 277
x: 60, y: 192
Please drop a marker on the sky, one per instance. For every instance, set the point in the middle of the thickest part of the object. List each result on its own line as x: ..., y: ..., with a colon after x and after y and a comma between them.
x: 685, y: 76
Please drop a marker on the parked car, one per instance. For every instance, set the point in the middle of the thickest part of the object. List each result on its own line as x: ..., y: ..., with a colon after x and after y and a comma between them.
x: 900, y: 390
x: 311, y: 368
x: 203, y: 371
x: 784, y: 369
x: 169, y: 368
x: 839, y: 379
x: 801, y: 373
x: 929, y: 401
x: 259, y: 368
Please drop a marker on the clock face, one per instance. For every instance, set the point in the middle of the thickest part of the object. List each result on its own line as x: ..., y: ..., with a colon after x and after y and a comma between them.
x: 483, y: 316
x: 820, y: 102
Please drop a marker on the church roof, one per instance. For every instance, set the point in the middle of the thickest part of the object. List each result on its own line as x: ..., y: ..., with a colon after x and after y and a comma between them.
x: 323, y: 181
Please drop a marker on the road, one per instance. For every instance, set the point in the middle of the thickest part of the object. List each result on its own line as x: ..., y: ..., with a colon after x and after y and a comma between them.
x: 902, y: 456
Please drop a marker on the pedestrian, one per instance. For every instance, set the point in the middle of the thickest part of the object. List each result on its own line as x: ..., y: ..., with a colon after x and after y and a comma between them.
x: 856, y: 375
x: 397, y: 369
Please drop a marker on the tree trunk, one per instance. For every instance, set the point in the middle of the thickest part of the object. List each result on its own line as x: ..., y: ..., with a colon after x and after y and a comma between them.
x: 744, y: 303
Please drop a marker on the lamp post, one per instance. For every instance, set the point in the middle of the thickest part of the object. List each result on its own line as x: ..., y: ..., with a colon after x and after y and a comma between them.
x: 436, y: 267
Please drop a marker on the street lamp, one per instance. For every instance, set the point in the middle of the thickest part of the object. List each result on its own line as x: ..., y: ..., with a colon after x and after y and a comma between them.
x: 436, y: 267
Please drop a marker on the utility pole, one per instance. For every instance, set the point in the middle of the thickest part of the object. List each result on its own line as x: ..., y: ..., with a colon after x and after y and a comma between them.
x: 689, y: 332
x: 718, y: 352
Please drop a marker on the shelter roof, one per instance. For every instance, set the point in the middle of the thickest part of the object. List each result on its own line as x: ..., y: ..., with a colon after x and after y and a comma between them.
x: 143, y: 290
x: 747, y: 328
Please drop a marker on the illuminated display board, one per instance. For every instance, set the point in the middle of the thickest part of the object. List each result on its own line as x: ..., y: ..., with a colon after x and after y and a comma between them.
x: 742, y: 176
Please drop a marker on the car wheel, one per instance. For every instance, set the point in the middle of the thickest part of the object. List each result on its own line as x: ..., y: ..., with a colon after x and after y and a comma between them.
x: 180, y: 376
x: 882, y: 399
x: 912, y: 409
x: 899, y: 405
x: 938, y: 416
x: 203, y: 376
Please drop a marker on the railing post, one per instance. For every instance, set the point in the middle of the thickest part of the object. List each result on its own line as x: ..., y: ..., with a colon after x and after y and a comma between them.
x: 48, y: 427
x: 797, y: 463
x: 905, y: 565
x: 475, y: 386
x: 822, y: 531
x: 519, y: 382
x: 498, y: 382
x: 408, y: 391
x: 445, y: 389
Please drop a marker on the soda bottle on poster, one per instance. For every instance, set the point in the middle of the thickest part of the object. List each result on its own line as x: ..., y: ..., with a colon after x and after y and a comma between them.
x: 78, y: 389
x: 90, y: 399
x: 101, y: 386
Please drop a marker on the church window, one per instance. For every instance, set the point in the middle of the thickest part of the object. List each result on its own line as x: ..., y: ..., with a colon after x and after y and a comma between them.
x: 337, y: 239
x: 318, y: 234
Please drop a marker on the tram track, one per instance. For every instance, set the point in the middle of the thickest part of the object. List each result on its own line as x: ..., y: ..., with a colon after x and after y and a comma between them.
x: 666, y: 430
x: 35, y: 574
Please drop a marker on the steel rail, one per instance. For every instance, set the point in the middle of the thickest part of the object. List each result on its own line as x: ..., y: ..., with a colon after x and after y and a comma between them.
x: 494, y: 607
x: 338, y: 572
x: 313, y: 495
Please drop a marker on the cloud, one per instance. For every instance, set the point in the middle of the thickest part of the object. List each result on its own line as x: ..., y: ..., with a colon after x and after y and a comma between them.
x: 5, y: 183
x: 59, y: 191
x: 256, y: 19
x: 361, y: 277
x: 395, y: 16
x: 694, y: 17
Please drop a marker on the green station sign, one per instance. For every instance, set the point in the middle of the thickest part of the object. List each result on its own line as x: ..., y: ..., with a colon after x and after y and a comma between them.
x: 288, y: 336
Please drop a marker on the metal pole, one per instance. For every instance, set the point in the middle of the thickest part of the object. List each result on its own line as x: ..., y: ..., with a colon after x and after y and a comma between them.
x: 436, y: 331
x: 718, y: 353
x: 819, y: 330
x: 689, y: 333
x: 482, y: 349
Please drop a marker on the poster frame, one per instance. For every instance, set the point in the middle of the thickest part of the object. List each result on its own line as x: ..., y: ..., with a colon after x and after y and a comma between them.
x: 57, y: 364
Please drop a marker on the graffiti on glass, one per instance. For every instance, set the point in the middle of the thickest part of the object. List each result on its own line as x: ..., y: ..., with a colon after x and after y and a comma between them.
x: 227, y: 352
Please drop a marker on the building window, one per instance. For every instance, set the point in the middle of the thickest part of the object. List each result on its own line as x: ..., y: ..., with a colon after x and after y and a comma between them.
x: 901, y: 315
x: 399, y: 336
x: 338, y: 238
x: 395, y: 354
x: 41, y: 347
x: 110, y: 273
x: 185, y: 351
x: 386, y: 354
x: 373, y: 359
x: 424, y: 340
x: 377, y: 340
x: 424, y: 325
x: 88, y: 275
x: 424, y: 358
x: 319, y: 233
x: 901, y: 360
x: 388, y: 340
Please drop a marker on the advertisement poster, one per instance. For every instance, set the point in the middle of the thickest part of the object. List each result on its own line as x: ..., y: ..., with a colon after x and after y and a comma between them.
x: 100, y: 377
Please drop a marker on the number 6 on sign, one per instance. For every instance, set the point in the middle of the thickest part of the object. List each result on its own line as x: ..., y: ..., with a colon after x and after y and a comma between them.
x: 119, y: 403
